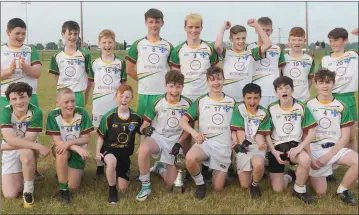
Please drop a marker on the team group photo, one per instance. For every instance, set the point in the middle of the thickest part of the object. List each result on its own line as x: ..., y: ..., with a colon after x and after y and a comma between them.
x: 236, y: 121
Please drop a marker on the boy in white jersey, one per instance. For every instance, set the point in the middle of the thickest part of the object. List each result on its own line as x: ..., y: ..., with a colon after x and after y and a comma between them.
x: 345, y: 65
x: 70, y: 128
x: 20, y: 123
x: 71, y: 64
x: 328, y: 148
x: 117, y: 134
x: 213, y: 140
x: 193, y: 57
x: 150, y: 56
x: 238, y: 62
x: 268, y: 69
x: 299, y: 66
x: 19, y: 62
x: 250, y: 124
x: 293, y: 128
x: 107, y: 72
x: 168, y: 137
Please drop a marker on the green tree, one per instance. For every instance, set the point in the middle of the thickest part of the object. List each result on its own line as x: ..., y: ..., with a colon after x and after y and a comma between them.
x: 39, y: 46
x: 51, y: 46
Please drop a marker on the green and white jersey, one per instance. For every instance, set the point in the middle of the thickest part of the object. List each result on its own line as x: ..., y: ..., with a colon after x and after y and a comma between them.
x: 151, y: 58
x: 80, y: 124
x: 31, y: 122
x: 251, y: 123
x: 331, y: 117
x: 300, y: 69
x: 288, y: 125
x: 31, y: 58
x: 214, y: 119
x: 346, y: 70
x: 193, y: 63
x: 107, y: 77
x: 267, y: 69
x: 238, y: 70
x: 71, y: 69
x: 165, y: 117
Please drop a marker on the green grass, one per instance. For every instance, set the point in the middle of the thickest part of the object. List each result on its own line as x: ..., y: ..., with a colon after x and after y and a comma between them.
x: 92, y: 196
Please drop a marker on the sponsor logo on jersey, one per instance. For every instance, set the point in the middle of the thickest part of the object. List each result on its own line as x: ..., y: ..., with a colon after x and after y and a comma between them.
x: 131, y: 127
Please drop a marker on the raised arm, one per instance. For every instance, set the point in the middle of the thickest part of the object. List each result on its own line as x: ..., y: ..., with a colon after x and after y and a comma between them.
x: 266, y: 42
x: 219, y: 39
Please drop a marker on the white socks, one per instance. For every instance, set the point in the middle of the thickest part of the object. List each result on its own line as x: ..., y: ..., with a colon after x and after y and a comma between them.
x: 300, y: 188
x: 341, y: 189
x: 198, y: 179
x: 145, y: 179
x: 28, y: 186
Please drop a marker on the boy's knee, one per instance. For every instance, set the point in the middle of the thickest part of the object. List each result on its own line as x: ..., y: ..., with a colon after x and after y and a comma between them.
x: 27, y: 156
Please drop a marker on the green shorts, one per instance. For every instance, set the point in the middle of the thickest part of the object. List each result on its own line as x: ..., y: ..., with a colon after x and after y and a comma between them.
x: 144, y: 101
x: 80, y: 99
x: 349, y: 100
x: 34, y: 100
x: 75, y: 161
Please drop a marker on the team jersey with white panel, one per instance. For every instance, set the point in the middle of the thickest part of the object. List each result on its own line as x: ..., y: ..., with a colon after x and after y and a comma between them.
x: 266, y: 70
x: 165, y: 117
x: 151, y: 59
x: 193, y: 63
x: 31, y: 57
x: 346, y: 70
x: 107, y: 77
x: 331, y: 117
x: 300, y: 69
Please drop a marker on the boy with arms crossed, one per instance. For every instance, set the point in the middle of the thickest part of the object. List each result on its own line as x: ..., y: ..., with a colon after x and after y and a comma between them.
x: 299, y: 66
x: 70, y: 128
x: 168, y: 137
x: 213, y: 140
x: 21, y: 123
x: 108, y: 73
x: 117, y: 132
x: 237, y: 62
x: 293, y: 129
x: 328, y: 149
x: 193, y: 57
x: 71, y: 64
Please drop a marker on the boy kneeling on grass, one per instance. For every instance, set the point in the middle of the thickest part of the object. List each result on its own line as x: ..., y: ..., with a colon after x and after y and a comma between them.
x: 117, y: 132
x: 70, y: 128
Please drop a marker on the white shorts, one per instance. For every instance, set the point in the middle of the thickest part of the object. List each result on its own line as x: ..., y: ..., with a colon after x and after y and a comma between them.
x: 327, y: 169
x: 96, y: 119
x: 10, y: 162
x: 267, y: 100
x: 219, y: 158
x: 243, y: 161
x: 165, y: 149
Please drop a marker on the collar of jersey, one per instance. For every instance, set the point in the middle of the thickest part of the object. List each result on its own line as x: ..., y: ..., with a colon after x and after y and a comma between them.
x: 108, y: 62
x: 15, y: 49
x: 70, y: 55
x: 217, y: 100
x: 330, y: 54
x: 286, y: 109
x: 324, y: 102
x: 153, y: 41
x: 194, y: 47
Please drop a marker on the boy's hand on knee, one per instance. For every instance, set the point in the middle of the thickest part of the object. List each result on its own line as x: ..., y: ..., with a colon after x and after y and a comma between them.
x: 44, y: 151
x: 82, y: 152
x: 99, y: 157
x: 293, y: 152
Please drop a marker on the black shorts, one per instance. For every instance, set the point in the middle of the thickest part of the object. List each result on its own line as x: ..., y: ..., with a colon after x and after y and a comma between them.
x: 273, y: 165
x: 123, y: 163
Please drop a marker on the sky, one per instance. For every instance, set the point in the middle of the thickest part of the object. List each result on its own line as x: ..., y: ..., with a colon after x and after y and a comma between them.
x: 126, y: 19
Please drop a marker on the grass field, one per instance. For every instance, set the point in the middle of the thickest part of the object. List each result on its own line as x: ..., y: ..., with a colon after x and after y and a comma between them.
x: 92, y: 196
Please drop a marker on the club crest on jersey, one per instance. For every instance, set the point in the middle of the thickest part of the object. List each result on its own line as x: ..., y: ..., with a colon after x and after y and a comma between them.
x: 116, y: 70
x: 203, y: 54
x: 256, y: 122
x: 182, y: 112
x: 162, y: 50
x: 334, y: 112
x: 271, y: 53
x: 131, y: 127
x: 226, y: 108
x: 304, y: 64
x: 347, y: 60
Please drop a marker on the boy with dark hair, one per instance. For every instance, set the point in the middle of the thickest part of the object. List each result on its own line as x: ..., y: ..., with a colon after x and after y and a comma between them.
x: 21, y: 123
x: 293, y: 128
x: 213, y: 141
x: 167, y: 138
x: 250, y: 124
x: 328, y: 149
x: 71, y: 64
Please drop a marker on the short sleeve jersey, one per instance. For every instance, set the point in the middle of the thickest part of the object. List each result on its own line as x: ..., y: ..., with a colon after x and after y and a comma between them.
x: 107, y: 77
x: 151, y: 59
x: 251, y: 124
x: 238, y: 70
x: 193, y: 63
x: 120, y: 133
x: 214, y: 119
x: 331, y: 117
x: 71, y: 69
x: 300, y: 69
x: 289, y: 124
x: 346, y: 71
x: 267, y: 69
x: 30, y: 122
x: 81, y: 124
x: 8, y: 54
x: 165, y: 117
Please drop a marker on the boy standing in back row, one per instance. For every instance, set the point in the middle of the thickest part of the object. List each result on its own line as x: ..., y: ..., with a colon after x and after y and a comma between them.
x: 72, y: 64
